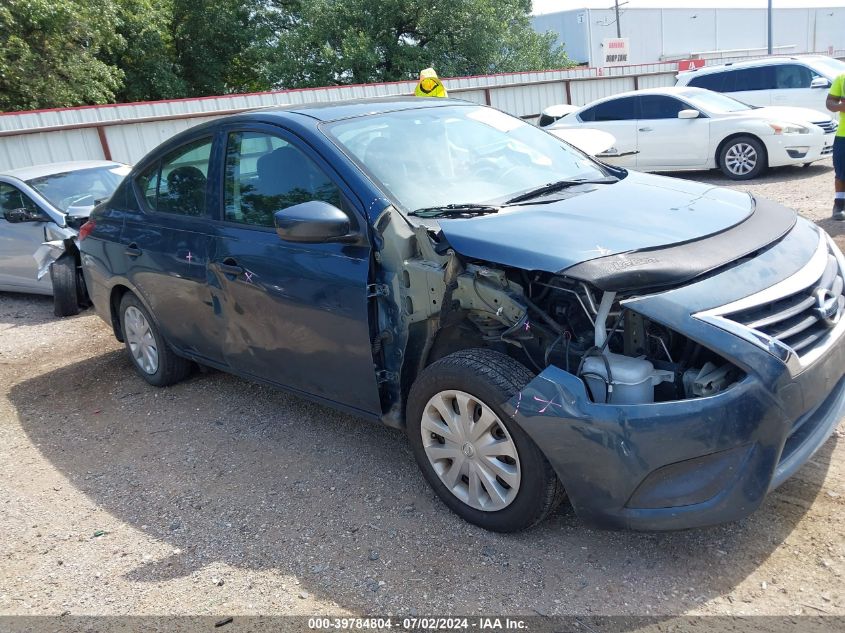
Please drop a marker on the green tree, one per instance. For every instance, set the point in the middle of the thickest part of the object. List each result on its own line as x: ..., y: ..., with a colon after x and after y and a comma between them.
x: 357, y: 41
x: 49, y: 53
x: 219, y: 45
x: 145, y: 51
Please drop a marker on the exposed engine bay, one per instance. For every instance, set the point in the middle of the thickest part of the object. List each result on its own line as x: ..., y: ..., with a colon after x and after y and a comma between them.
x: 446, y: 302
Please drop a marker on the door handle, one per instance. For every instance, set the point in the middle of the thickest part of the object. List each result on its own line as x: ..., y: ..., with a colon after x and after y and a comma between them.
x: 230, y: 267
x: 132, y: 250
x: 645, y: 129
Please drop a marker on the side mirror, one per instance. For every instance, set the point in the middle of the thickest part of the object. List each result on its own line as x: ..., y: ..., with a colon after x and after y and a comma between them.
x: 16, y: 216
x: 313, y: 222
x: 688, y: 114
x: 820, y: 82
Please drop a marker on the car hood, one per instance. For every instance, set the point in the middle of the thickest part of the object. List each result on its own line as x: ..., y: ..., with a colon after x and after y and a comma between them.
x: 785, y: 113
x: 640, y: 211
x: 641, y: 231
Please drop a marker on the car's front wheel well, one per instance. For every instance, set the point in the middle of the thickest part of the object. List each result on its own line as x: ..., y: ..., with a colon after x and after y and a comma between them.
x: 114, y: 310
x: 733, y: 137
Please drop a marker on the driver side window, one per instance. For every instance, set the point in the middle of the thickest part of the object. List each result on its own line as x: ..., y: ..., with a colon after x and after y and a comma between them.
x: 265, y: 174
x: 12, y: 198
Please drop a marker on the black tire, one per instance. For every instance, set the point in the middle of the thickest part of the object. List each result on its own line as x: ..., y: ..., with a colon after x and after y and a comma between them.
x: 171, y: 368
x: 494, y: 379
x: 64, y: 275
x: 740, y: 145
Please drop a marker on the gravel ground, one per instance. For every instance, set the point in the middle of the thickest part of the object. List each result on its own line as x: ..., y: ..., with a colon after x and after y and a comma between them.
x: 218, y: 496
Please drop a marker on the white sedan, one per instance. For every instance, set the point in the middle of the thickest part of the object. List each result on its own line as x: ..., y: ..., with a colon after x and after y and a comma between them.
x: 671, y: 129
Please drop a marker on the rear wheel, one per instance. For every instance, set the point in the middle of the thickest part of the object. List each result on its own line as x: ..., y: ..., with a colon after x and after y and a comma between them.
x: 65, y: 278
x: 478, y: 460
x: 150, y: 354
x: 743, y: 158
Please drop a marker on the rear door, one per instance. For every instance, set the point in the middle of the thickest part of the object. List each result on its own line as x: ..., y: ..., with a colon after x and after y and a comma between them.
x: 617, y: 117
x: 166, y: 247
x: 667, y: 142
x: 295, y: 314
x: 18, y: 243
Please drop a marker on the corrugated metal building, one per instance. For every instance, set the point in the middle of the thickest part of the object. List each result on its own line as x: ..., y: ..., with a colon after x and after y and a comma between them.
x: 660, y: 34
x: 125, y: 132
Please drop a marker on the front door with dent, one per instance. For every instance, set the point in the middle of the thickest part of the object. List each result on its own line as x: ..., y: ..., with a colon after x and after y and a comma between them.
x: 295, y: 314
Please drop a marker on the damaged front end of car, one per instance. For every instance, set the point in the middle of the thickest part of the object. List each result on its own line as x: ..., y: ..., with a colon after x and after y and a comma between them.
x: 652, y: 417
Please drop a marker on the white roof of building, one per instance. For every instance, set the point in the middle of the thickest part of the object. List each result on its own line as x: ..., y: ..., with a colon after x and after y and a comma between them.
x: 38, y: 171
x: 554, y: 6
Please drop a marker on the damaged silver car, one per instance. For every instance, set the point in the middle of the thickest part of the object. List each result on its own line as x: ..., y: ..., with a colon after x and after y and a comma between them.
x: 41, y: 210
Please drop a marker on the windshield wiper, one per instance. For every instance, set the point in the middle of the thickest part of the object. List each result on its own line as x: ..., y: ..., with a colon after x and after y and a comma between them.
x: 559, y: 185
x: 448, y: 210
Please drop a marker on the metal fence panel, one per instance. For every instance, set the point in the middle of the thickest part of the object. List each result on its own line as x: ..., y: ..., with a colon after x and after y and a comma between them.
x: 528, y: 100
x: 126, y: 132
x: 584, y: 92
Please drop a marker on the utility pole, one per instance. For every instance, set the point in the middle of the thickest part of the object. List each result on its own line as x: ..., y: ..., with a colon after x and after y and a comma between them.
x: 770, y: 25
x: 619, y: 26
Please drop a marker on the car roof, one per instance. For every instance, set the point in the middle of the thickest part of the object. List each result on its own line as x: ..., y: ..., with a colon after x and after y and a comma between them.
x: 334, y: 110
x: 665, y: 90
x: 47, y: 169
x: 751, y: 63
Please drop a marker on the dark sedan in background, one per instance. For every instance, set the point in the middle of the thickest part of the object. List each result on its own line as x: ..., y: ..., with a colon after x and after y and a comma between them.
x: 662, y: 352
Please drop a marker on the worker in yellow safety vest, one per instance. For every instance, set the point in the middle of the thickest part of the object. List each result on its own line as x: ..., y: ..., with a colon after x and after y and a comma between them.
x: 430, y: 85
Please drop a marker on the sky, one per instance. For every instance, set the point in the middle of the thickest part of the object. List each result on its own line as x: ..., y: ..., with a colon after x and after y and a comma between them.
x: 550, y: 6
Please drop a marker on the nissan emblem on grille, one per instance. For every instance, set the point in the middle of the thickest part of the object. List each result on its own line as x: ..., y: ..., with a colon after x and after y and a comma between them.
x: 828, y: 307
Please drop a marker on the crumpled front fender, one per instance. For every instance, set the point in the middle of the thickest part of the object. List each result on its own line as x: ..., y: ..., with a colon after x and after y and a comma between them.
x: 603, y: 452
x: 61, y: 239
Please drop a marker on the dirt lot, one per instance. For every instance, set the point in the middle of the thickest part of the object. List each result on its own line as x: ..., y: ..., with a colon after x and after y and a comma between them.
x: 218, y: 496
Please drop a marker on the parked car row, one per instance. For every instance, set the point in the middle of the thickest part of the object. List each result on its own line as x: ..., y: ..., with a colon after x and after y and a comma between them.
x: 542, y: 325
x: 740, y: 118
x: 673, y: 129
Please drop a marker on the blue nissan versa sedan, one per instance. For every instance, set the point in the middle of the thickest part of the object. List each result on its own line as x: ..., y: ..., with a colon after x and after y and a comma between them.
x: 661, y: 352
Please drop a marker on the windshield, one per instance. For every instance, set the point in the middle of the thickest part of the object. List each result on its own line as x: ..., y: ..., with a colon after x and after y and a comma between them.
x: 79, y: 188
x: 714, y: 102
x: 458, y: 155
x: 829, y: 67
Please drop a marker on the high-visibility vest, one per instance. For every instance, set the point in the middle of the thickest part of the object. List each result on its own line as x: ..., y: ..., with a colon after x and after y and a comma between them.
x: 430, y: 85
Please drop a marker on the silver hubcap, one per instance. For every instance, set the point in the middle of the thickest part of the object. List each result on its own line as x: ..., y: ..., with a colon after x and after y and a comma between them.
x: 741, y: 159
x: 470, y: 450
x: 139, y: 337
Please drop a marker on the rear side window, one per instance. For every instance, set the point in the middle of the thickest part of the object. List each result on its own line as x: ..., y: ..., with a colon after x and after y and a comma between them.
x: 265, y: 174
x: 177, y: 183
x: 614, y: 110
x: 712, y: 81
x: 750, y: 79
x: 660, y: 107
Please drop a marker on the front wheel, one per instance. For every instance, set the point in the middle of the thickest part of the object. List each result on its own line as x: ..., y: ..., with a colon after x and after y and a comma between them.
x: 743, y: 158
x: 65, y: 278
x: 477, y: 459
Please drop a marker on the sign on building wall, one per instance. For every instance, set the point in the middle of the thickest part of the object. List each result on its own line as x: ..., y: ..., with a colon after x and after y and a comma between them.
x: 615, y: 51
x: 690, y: 64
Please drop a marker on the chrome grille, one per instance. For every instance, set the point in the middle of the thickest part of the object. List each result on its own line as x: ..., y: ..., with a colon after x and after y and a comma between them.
x: 801, y: 320
x: 828, y: 126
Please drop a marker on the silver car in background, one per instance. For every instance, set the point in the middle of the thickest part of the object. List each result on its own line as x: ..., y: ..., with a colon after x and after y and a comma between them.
x: 41, y: 210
